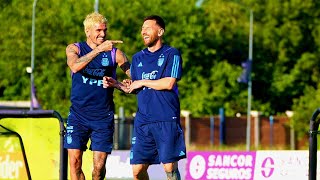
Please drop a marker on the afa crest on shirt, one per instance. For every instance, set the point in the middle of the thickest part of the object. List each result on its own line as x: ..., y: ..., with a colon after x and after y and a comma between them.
x: 160, y: 60
x: 105, y: 60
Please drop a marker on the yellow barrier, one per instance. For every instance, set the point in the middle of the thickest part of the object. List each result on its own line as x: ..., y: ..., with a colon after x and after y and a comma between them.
x: 41, y: 141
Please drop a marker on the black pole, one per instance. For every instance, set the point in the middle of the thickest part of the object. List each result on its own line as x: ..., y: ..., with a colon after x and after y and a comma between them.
x: 313, y: 144
x: 63, y: 169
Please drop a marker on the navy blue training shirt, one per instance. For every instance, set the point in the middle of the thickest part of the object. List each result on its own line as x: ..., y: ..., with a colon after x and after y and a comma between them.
x: 155, y: 105
x: 88, y: 97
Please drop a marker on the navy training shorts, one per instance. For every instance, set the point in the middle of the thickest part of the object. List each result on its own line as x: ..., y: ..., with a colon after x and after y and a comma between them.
x: 100, y: 132
x: 155, y: 143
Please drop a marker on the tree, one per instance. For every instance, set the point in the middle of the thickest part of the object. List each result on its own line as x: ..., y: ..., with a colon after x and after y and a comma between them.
x: 213, y: 40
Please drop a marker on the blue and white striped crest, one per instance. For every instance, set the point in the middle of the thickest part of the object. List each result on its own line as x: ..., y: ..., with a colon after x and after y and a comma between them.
x: 105, y: 61
x: 160, y: 60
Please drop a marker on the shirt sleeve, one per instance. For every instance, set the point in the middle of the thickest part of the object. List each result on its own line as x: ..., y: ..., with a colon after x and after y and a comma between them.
x: 174, y: 66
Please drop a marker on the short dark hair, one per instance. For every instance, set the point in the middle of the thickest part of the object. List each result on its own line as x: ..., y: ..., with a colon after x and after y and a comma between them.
x: 158, y: 20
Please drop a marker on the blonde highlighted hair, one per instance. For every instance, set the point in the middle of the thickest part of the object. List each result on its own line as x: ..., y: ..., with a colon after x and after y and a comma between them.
x: 93, y: 19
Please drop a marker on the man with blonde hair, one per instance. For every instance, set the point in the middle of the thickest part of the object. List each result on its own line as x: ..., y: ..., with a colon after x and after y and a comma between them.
x: 91, y: 113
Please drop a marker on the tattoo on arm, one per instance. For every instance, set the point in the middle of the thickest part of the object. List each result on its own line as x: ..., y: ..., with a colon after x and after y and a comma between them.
x: 121, y: 87
x: 70, y: 50
x: 88, y: 57
x: 73, y: 53
x: 83, y: 59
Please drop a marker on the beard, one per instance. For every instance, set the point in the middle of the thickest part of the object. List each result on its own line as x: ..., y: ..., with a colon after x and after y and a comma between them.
x: 152, y: 41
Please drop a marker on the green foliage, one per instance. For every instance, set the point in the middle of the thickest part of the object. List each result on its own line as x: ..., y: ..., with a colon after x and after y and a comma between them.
x: 304, y: 107
x: 213, y: 40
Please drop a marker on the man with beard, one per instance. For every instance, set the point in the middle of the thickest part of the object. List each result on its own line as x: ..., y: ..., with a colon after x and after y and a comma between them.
x: 157, y: 137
